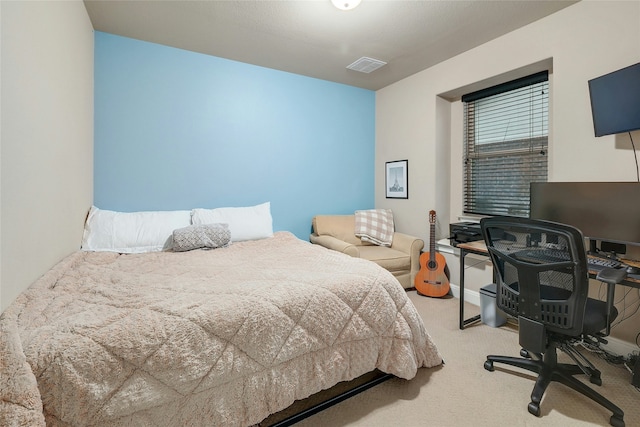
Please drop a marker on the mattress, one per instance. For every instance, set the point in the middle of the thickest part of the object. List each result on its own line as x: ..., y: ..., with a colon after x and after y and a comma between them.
x: 205, y: 337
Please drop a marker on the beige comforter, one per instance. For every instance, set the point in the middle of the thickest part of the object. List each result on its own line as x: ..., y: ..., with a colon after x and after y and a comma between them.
x: 219, y: 337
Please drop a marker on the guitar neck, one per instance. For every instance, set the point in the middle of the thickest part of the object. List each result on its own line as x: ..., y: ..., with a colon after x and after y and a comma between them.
x: 432, y: 242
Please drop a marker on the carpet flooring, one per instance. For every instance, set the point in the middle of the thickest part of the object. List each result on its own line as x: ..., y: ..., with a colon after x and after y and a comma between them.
x: 463, y: 393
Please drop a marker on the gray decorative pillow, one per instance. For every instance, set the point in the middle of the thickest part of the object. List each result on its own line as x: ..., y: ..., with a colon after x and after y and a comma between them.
x: 201, y: 236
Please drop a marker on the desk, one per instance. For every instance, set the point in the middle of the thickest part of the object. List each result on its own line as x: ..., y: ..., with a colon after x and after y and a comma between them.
x: 479, y: 248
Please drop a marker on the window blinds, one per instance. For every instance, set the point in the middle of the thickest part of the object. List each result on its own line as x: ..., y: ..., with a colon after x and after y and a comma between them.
x: 505, y: 138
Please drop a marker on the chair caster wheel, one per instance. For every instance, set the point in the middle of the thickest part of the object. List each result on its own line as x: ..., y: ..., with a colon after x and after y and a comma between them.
x: 534, y: 409
x: 488, y: 365
x: 596, y: 380
x: 524, y: 353
x: 616, y: 421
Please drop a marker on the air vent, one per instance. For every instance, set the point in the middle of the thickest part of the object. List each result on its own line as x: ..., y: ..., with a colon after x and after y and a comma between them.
x: 366, y: 65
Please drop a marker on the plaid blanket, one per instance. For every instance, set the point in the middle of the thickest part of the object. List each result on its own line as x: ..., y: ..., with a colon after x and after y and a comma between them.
x: 375, y: 226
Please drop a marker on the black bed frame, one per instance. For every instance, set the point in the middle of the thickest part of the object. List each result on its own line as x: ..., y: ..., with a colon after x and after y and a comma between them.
x: 324, y: 404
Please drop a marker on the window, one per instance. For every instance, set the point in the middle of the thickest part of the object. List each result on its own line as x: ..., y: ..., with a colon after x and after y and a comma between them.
x: 505, y: 138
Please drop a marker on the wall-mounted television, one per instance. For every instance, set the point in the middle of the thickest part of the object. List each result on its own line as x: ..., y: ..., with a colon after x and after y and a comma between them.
x: 604, y: 211
x: 615, y: 101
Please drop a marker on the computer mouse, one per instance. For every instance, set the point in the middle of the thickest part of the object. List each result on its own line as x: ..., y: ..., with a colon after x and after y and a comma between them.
x: 633, y: 270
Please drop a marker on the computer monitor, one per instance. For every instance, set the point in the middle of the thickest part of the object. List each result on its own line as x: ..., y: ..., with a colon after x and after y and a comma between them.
x: 615, y: 101
x: 603, y: 211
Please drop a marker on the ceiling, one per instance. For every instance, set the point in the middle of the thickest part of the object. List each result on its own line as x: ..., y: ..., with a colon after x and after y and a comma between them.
x: 313, y: 38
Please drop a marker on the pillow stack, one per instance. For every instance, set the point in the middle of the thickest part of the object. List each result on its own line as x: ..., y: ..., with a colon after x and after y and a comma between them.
x: 153, y: 231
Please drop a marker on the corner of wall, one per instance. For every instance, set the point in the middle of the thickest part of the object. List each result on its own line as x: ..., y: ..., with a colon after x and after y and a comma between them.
x: 47, y: 145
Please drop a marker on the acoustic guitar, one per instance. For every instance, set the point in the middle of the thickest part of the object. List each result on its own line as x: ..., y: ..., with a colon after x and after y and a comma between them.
x: 431, y: 280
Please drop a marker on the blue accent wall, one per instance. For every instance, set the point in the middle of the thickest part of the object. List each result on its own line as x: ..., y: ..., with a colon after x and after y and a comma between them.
x: 176, y: 129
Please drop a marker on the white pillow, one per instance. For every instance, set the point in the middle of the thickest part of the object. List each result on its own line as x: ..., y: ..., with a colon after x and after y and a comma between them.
x: 247, y: 223
x: 131, y: 232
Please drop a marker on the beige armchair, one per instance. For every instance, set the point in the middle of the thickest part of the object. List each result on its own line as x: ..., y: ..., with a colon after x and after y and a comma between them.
x: 402, y: 259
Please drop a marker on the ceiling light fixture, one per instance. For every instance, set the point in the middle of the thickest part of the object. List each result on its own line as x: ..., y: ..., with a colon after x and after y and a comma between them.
x: 346, y: 4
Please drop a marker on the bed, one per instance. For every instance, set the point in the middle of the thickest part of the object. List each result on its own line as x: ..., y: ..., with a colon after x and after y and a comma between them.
x: 203, y: 337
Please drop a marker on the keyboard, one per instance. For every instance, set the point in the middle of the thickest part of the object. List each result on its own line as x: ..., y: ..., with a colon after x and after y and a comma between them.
x: 600, y: 263
x: 542, y: 255
x: 555, y: 255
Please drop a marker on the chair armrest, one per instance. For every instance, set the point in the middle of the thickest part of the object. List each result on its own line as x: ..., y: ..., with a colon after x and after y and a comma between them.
x: 410, y: 245
x: 407, y: 244
x: 611, y: 277
x: 331, y: 242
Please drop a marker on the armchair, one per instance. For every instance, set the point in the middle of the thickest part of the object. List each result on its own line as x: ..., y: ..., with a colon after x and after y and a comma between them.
x: 337, y: 232
x: 542, y: 279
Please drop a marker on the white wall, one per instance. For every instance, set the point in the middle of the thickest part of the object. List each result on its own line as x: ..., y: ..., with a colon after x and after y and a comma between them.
x: 580, y: 42
x: 46, y: 169
x: 420, y: 117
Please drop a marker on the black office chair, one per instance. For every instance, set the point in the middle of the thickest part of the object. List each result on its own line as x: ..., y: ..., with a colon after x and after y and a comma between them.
x: 542, y: 279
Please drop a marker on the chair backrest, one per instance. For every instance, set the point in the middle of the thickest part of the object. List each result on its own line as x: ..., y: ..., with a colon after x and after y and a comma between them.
x: 541, y: 274
x: 341, y: 227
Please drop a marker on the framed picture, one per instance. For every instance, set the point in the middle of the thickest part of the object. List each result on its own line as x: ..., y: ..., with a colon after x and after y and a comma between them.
x: 397, y: 179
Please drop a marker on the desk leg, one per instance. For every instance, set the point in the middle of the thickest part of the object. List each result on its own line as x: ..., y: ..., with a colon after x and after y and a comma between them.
x: 464, y: 321
x: 462, y: 255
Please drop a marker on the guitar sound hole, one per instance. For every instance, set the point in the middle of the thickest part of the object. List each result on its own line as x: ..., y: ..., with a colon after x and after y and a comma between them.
x: 432, y: 265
